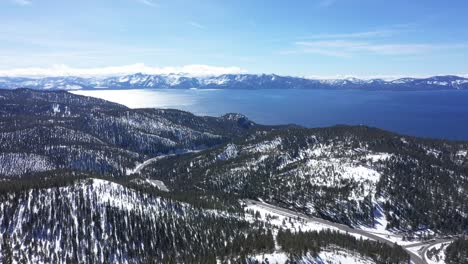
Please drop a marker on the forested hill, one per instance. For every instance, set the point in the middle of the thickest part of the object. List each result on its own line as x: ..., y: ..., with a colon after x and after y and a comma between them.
x: 85, y: 181
x: 347, y: 174
x: 41, y: 131
x: 341, y: 173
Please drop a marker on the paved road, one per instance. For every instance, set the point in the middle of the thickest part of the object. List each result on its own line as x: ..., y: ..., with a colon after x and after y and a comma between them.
x: 429, y: 243
x: 285, y: 212
x: 141, y: 166
x: 433, y: 243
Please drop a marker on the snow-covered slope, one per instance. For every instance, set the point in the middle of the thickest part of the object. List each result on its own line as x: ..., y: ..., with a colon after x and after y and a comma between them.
x: 231, y: 81
x: 57, y: 130
x: 97, y: 221
x: 185, y: 208
x: 331, y: 255
x: 354, y: 175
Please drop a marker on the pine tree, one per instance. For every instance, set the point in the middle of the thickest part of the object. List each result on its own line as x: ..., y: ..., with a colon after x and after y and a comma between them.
x: 7, y: 254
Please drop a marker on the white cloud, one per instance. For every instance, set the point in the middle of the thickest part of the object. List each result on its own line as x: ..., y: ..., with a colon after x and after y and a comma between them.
x: 374, y: 42
x: 151, y: 3
x: 363, y: 34
x: 345, y: 48
x: 63, y: 70
x: 369, y: 34
x: 189, y: 70
x: 197, y: 25
x: 22, y: 2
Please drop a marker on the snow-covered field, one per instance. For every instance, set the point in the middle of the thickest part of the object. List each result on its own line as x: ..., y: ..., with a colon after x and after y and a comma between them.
x: 327, y: 256
x: 281, y: 220
x: 340, y: 256
x: 292, y: 222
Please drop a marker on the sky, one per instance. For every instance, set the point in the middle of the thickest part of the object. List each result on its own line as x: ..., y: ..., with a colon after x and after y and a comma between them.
x: 313, y: 38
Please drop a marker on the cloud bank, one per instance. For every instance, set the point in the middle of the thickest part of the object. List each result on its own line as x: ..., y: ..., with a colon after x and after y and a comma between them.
x: 64, y: 70
x: 22, y: 2
x: 346, y: 48
x: 372, y: 42
x: 188, y: 70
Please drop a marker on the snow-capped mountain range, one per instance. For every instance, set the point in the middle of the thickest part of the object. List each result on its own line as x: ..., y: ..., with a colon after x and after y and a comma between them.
x: 230, y: 81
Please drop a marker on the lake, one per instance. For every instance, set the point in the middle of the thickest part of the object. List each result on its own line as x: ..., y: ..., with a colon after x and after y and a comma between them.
x: 440, y: 114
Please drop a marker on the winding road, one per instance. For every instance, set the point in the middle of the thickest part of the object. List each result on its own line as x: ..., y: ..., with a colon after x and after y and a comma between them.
x: 416, y: 259
x: 147, y: 162
x: 141, y: 166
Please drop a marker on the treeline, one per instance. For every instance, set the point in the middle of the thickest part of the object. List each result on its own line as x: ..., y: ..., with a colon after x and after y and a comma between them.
x: 312, y: 242
x: 100, y: 222
x: 457, y: 252
x: 41, y: 180
x: 437, y: 195
x: 61, y: 178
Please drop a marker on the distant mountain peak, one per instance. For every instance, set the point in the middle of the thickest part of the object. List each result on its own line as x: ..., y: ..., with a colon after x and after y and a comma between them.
x: 231, y: 81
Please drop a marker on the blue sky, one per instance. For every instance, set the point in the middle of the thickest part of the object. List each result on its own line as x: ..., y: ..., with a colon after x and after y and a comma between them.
x: 321, y: 38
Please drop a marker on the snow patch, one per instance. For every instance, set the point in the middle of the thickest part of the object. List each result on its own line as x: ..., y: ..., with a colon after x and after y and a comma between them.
x: 229, y: 152
x: 376, y: 157
x: 265, y: 145
x: 56, y: 108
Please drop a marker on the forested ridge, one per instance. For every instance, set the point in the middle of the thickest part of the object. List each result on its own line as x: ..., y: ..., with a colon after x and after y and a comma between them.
x: 457, y: 252
x: 70, y: 193
x: 341, y: 173
x: 311, y: 242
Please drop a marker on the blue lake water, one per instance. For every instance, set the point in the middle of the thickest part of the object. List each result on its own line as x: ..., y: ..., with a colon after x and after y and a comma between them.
x: 440, y: 114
